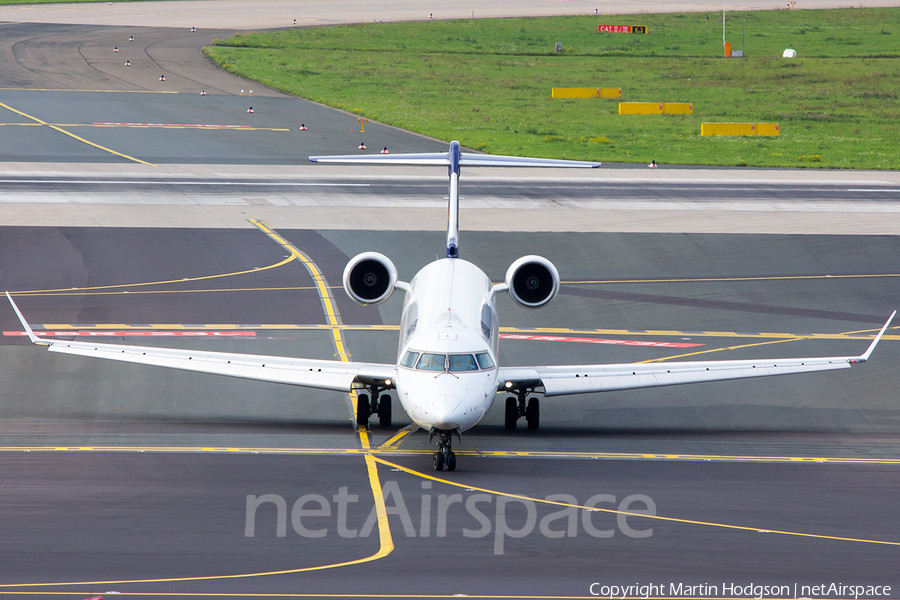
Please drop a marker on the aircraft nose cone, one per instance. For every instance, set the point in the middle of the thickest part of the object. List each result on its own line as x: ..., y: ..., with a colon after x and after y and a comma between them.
x: 447, y: 412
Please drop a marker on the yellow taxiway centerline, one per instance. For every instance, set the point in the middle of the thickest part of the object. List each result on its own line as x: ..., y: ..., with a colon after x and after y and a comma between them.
x: 147, y: 126
x: 728, y: 279
x: 654, y: 360
x: 145, y: 283
x: 386, y: 543
x: 583, y: 282
x: 786, y: 337
x: 386, y: 450
x: 14, y: 89
x: 396, y: 439
x: 470, y: 487
x: 80, y: 139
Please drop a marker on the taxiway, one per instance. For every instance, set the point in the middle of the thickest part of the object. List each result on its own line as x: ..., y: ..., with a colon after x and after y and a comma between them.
x: 132, y: 215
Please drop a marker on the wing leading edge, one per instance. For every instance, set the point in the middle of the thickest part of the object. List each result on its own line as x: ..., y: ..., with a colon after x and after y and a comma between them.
x: 583, y: 379
x: 321, y: 374
x: 466, y: 159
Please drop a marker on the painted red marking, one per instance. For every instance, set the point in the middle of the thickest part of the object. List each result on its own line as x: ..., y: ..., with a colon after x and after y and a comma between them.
x: 176, y: 125
x: 135, y: 333
x: 555, y: 338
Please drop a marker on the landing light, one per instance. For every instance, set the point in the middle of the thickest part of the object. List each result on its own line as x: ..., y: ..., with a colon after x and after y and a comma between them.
x: 508, y: 384
x: 387, y: 382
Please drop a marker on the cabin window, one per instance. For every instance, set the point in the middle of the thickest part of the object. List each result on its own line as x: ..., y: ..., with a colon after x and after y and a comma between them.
x: 431, y: 362
x: 409, y: 359
x: 462, y: 362
x: 484, y: 360
x: 487, y: 320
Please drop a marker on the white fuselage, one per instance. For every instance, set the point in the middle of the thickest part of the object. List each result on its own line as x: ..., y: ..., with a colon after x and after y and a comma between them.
x: 447, y: 360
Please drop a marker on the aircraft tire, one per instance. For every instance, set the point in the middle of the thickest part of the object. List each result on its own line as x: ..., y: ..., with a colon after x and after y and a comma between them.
x: 533, y: 413
x: 438, y: 461
x: 451, y: 462
x: 384, y: 410
x: 363, y: 410
x: 512, y: 412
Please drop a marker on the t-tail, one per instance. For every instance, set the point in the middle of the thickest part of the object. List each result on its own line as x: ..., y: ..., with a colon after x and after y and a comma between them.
x: 453, y: 203
x: 454, y: 159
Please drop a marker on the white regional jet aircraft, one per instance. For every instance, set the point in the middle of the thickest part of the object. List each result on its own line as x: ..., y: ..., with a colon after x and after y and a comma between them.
x: 446, y: 374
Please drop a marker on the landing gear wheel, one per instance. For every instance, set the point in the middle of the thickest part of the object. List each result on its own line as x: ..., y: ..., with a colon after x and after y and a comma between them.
x: 439, y: 461
x: 384, y: 410
x: 451, y: 462
x: 363, y: 410
x: 533, y: 414
x: 512, y: 412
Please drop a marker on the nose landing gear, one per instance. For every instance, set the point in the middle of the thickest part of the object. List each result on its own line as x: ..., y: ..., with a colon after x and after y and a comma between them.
x: 444, y: 456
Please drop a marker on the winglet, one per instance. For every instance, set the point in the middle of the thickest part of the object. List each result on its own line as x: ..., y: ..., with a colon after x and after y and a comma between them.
x: 865, y: 356
x: 34, y: 339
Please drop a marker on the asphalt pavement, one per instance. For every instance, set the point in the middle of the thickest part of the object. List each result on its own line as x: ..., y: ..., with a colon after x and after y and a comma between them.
x: 155, y: 483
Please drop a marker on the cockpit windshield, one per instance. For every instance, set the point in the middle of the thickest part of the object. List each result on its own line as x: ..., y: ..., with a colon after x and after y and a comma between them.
x: 484, y: 360
x: 463, y: 362
x: 409, y: 359
x: 449, y: 362
x: 431, y: 362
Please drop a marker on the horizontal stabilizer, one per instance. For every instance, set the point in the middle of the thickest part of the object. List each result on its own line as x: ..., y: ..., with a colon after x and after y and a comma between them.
x: 454, y: 160
x: 466, y: 159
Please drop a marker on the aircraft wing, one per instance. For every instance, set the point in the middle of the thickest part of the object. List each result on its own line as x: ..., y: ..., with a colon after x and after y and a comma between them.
x: 321, y: 374
x: 582, y: 379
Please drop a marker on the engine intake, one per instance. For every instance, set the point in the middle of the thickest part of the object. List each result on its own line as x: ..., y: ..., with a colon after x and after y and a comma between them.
x: 369, y: 278
x: 533, y: 281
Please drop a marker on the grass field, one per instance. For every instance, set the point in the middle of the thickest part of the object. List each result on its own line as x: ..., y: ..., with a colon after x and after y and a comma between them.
x: 487, y: 83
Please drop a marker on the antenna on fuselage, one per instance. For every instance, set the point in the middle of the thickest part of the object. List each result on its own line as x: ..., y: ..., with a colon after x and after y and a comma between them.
x: 454, y: 159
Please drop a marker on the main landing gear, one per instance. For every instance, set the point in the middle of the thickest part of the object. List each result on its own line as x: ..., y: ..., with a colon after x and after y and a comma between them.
x: 444, y: 456
x: 378, y: 405
x: 517, y: 407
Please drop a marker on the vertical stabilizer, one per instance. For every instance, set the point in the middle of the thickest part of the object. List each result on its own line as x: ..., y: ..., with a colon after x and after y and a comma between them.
x: 453, y: 203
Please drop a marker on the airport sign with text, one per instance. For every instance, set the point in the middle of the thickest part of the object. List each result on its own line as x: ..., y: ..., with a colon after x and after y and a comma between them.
x: 622, y: 29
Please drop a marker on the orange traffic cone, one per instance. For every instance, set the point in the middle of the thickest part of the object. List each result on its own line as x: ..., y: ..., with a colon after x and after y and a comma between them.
x: 116, y: 49
x: 385, y: 151
x: 362, y: 146
x: 249, y: 110
x: 302, y: 127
